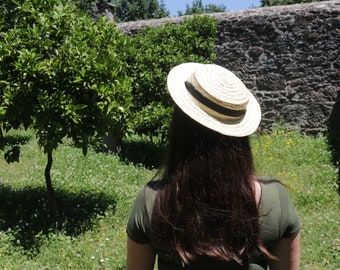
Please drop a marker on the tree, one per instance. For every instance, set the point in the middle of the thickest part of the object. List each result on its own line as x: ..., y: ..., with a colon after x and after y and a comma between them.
x: 128, y: 10
x: 134, y: 10
x: 84, y: 5
x: 211, y: 8
x: 197, y: 7
x: 286, y: 2
x: 61, y: 74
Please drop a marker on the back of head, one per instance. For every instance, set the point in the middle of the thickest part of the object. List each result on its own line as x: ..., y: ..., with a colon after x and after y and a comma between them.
x: 189, y: 140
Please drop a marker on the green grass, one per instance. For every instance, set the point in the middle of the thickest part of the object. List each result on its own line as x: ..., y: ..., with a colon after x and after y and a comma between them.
x: 95, y: 194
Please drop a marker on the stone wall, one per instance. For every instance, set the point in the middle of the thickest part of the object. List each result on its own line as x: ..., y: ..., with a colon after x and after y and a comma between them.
x: 288, y: 56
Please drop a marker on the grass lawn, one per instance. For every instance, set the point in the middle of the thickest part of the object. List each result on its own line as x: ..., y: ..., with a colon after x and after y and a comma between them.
x: 95, y: 194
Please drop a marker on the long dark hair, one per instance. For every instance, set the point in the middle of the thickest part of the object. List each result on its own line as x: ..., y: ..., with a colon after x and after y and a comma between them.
x: 206, y: 206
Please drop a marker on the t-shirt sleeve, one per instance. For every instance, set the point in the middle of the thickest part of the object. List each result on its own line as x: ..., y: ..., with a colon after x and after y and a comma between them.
x: 290, y: 221
x: 138, y: 221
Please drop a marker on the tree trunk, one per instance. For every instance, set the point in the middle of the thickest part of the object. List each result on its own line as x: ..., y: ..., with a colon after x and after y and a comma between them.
x: 113, y: 143
x: 1, y: 135
x: 51, y: 198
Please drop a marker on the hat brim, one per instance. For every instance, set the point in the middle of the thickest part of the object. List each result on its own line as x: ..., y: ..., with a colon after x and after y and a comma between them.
x: 179, y: 93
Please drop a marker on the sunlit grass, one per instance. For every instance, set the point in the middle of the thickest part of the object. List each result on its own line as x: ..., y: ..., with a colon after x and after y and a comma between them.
x: 100, y: 189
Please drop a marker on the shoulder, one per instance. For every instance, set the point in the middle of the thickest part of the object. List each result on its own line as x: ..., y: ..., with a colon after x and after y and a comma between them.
x: 270, y: 191
x: 274, y: 191
x: 145, y: 197
x: 277, y: 210
x: 269, y: 206
x: 139, y: 222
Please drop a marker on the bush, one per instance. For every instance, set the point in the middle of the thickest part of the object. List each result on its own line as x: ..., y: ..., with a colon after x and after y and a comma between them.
x: 150, y: 57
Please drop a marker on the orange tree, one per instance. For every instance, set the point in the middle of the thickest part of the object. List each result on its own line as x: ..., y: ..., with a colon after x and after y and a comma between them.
x: 61, y: 75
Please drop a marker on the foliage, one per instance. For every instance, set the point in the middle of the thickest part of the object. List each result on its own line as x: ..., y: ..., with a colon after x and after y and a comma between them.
x: 61, y: 74
x: 134, y: 10
x: 8, y: 9
x: 86, y: 6
x: 197, y: 7
x: 97, y: 191
x: 128, y: 10
x: 286, y: 2
x: 60, y: 53
x: 150, y: 57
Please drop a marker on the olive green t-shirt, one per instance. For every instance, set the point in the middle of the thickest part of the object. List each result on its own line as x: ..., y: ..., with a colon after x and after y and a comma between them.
x: 278, y: 219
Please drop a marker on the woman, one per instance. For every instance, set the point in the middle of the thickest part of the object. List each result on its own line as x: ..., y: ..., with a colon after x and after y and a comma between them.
x: 207, y: 209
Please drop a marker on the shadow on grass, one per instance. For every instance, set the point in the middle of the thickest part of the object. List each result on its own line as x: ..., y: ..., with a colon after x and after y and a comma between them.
x: 10, y: 140
x: 334, y: 136
x: 144, y: 152
x: 24, y: 213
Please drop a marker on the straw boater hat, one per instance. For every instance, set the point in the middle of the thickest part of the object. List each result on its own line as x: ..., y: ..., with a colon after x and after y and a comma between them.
x: 214, y: 97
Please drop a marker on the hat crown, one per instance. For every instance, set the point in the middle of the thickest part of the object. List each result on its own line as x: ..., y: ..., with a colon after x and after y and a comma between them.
x: 214, y: 97
x: 220, y: 86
